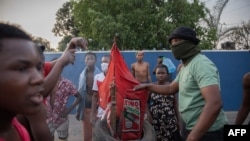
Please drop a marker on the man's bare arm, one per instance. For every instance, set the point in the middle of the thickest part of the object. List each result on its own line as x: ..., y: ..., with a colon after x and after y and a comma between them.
x: 245, y: 105
x: 148, y: 72
x: 75, y: 103
x: 53, y: 76
x: 160, y: 89
x: 68, y: 57
x: 213, y: 105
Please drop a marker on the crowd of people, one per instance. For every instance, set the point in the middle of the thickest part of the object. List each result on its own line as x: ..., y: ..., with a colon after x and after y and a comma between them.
x: 34, y: 94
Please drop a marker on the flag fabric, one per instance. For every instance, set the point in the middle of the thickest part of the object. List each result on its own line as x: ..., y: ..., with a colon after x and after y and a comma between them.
x: 130, y: 105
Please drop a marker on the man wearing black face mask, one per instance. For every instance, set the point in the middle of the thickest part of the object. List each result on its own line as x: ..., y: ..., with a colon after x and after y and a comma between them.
x: 198, y: 85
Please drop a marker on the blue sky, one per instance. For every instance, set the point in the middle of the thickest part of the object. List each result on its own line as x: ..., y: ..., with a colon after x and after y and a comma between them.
x: 38, y: 16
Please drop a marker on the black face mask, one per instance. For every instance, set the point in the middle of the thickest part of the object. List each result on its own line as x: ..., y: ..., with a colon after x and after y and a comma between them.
x: 184, y: 50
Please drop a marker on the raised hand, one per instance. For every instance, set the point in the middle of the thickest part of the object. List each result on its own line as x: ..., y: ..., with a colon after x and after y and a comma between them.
x: 77, y: 42
x: 68, y: 57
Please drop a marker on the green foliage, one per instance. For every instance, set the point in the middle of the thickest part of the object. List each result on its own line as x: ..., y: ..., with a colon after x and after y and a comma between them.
x: 41, y: 41
x: 64, y: 25
x: 212, y: 21
x: 240, y: 35
x: 136, y: 24
x: 63, y: 43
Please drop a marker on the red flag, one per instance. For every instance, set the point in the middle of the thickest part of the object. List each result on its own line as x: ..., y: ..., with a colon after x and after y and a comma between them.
x: 129, y: 103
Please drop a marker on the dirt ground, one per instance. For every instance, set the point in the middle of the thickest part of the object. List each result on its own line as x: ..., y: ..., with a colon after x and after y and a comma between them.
x: 75, y: 127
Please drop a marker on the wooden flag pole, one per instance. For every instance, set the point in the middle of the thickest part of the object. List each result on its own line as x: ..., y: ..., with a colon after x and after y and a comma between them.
x: 113, y: 102
x: 113, y: 108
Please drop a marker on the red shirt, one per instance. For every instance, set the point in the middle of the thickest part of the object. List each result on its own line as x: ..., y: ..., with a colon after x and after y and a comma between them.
x: 23, y: 133
x: 47, y: 68
x: 21, y: 130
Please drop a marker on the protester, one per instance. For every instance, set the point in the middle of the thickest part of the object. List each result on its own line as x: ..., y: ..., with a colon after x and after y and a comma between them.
x: 245, y: 105
x: 96, y: 111
x: 140, y: 69
x: 159, y: 61
x: 164, y: 109
x: 198, y: 85
x: 86, y: 80
x: 57, y: 110
x: 36, y: 124
x: 21, y: 83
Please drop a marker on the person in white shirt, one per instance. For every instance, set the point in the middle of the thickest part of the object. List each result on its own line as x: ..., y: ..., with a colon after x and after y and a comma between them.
x: 96, y: 111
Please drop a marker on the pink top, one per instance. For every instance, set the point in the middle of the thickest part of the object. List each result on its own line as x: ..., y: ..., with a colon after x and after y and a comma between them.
x: 23, y: 133
x: 65, y: 89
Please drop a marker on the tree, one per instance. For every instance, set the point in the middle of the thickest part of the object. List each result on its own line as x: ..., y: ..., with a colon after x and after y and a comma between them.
x: 191, y: 14
x: 63, y: 43
x: 41, y: 41
x: 234, y: 35
x: 239, y: 35
x: 138, y: 24
x: 212, y: 21
x: 65, y: 26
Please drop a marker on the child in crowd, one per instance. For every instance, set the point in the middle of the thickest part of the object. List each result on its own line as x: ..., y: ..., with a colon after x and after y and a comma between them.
x: 57, y: 110
x: 86, y: 80
x: 140, y: 68
x: 164, y: 109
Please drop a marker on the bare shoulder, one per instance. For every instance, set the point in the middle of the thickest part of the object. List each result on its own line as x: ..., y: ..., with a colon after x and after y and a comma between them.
x: 132, y: 65
x: 247, y: 76
x: 145, y: 63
